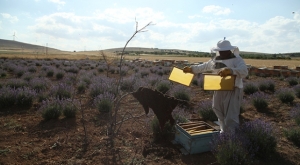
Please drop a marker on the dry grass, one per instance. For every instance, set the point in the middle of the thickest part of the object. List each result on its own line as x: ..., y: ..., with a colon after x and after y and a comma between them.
x: 95, y: 55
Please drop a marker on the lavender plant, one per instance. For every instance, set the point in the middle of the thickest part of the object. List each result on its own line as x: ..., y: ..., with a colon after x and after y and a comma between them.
x: 60, y: 74
x: 27, y: 76
x: 104, y: 102
x: 39, y: 84
x: 50, y: 109
x: 32, y: 69
x: 293, y: 135
x: 127, y: 85
x: 180, y: 115
x: 7, y: 97
x: 25, y: 97
x: 295, y: 113
x: 259, y: 101
x: 69, y: 107
x: 285, y: 95
x: 232, y: 148
x: 297, y: 90
x: 250, y: 88
x: 101, y: 85
x: 180, y: 92
x: 3, y: 73
x: 16, y: 83
x: 19, y: 71
x: 165, y: 134
x: 61, y: 90
x: 81, y: 87
x: 292, y: 81
x: 163, y: 86
x: 261, y: 135
x: 205, y: 110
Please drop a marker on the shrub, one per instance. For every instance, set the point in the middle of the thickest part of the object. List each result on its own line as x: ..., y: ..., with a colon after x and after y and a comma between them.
x: 2, y: 73
x: 39, y: 84
x: 270, y: 85
x: 292, y: 81
x: 180, y: 116
x: 49, y: 72
x: 19, y: 71
x: 206, y: 111
x: 61, y: 90
x: 69, y: 108
x: 144, y: 73
x: 259, y: 100
x: 7, y: 97
x: 72, y: 69
x: 112, y: 70
x: 101, y: 85
x: 297, y: 90
x: 232, y: 149
x: 250, y: 88
x: 293, y: 135
x: 32, y: 69
x: 27, y: 76
x: 25, y: 97
x: 100, y: 69
x: 285, y: 95
x: 295, y: 113
x: 59, y: 74
x: 127, y: 84
x: 50, y: 109
x: 81, y: 87
x: 16, y: 83
x: 261, y: 135
x: 181, y: 93
x: 262, y: 86
x: 195, y: 82
x: 104, y: 102
x: 163, y: 87
x: 167, y: 133
x: 153, y: 80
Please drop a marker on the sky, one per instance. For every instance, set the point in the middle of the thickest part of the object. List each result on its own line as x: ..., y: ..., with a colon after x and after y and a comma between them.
x: 268, y: 26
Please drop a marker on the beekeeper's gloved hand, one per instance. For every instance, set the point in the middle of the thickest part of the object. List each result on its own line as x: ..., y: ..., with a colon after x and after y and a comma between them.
x: 187, y: 69
x: 225, y: 72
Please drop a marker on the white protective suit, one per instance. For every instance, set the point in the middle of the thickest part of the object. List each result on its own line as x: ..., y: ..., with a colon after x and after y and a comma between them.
x: 226, y: 104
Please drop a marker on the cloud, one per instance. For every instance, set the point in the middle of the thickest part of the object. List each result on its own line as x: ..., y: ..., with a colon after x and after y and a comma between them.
x: 113, y: 27
x: 216, y: 10
x: 59, y: 2
x: 125, y: 15
x: 12, y: 19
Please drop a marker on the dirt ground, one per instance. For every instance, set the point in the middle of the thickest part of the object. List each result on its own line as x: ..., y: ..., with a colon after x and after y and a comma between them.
x: 26, y: 139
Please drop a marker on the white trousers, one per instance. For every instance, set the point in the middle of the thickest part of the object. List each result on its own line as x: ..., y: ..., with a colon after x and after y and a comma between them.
x: 226, y: 105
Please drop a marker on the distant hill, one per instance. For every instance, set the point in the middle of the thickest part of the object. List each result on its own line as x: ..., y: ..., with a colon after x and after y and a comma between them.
x: 15, y: 46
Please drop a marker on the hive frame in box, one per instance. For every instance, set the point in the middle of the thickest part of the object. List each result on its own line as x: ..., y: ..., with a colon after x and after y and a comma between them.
x: 194, y: 144
x: 217, y: 83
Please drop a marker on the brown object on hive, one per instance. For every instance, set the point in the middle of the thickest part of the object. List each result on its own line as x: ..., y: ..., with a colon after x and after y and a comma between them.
x: 162, y: 105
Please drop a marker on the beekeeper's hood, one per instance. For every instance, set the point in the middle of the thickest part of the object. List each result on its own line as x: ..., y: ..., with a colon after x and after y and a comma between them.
x: 224, y: 45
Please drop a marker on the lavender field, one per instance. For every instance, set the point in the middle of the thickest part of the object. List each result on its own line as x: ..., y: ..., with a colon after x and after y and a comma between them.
x: 55, y: 111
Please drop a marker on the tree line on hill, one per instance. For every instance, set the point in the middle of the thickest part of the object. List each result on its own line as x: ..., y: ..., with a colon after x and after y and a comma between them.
x: 286, y: 56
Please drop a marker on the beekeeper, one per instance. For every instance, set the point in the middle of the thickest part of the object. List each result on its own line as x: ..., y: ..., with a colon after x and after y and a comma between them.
x: 225, y: 61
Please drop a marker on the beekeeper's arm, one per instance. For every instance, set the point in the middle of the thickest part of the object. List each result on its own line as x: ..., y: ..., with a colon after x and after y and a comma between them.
x: 240, y: 69
x: 198, y: 68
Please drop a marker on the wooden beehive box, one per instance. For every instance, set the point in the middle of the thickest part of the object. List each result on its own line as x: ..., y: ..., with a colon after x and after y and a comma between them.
x: 195, y: 137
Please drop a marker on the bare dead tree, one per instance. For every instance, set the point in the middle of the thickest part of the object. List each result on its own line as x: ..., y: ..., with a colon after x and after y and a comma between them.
x: 112, y: 129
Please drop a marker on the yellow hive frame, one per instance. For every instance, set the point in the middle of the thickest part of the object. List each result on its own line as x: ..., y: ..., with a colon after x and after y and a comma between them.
x: 216, y: 82
x: 177, y: 75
